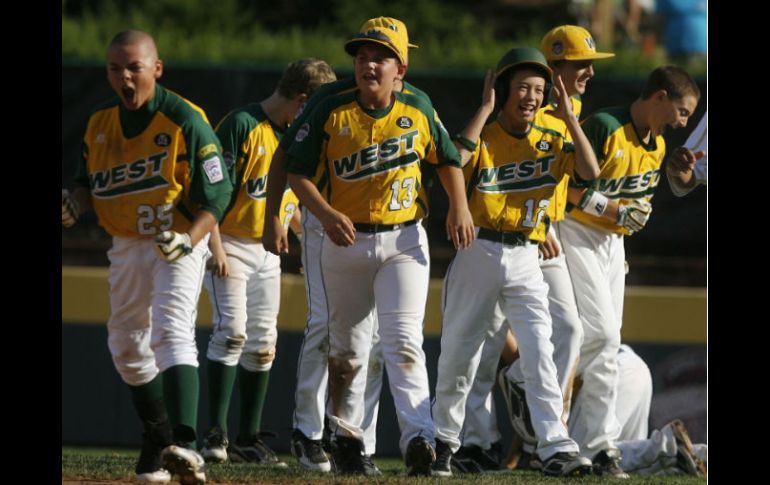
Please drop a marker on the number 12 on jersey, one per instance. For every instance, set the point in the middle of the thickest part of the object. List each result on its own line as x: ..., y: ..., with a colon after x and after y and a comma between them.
x: 535, y: 212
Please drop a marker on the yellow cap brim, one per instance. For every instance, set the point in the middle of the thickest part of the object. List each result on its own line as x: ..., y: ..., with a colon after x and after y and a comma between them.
x: 588, y: 57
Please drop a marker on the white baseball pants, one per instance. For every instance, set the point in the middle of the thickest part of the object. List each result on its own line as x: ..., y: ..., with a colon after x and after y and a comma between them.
x: 312, y: 364
x: 480, y: 425
x: 390, y: 269
x: 596, y: 264
x: 245, y: 306
x: 153, y: 308
x: 567, y: 334
x: 479, y: 278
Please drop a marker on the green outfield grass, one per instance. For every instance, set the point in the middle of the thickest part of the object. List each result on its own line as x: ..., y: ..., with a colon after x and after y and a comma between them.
x: 101, y: 464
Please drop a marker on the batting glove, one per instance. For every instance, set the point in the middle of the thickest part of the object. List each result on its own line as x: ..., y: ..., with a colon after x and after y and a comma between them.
x: 172, y: 245
x: 70, y: 209
x: 593, y: 203
x: 634, y: 215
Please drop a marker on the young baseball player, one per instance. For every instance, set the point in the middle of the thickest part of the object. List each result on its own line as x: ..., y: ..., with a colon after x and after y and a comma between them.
x: 688, y: 165
x: 570, y: 51
x: 666, y: 451
x: 312, y: 375
x: 152, y: 170
x: 244, y: 280
x: 372, y: 142
x: 629, y: 145
x: 515, y: 168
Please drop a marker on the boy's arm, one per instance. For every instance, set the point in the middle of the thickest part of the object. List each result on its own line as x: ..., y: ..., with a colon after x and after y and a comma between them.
x: 466, y: 140
x: 459, y: 222
x: 274, y: 237
x: 218, y: 262
x: 586, y: 165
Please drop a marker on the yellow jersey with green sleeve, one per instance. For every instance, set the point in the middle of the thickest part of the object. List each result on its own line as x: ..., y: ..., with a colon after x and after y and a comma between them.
x: 559, y: 201
x: 629, y: 168
x: 513, y: 178
x: 152, y: 169
x: 373, y: 157
x: 249, y: 140
x: 349, y: 85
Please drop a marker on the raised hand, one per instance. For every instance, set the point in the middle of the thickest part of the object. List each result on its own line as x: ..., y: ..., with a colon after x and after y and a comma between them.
x: 563, y: 109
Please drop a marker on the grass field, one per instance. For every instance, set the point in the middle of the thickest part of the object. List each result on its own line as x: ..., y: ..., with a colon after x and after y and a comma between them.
x: 92, y: 466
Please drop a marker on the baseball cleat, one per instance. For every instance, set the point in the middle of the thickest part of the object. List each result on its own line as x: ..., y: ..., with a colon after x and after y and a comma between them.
x: 309, y: 453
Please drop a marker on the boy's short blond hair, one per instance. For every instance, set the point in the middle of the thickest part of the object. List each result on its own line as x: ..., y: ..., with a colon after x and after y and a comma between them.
x: 304, y: 77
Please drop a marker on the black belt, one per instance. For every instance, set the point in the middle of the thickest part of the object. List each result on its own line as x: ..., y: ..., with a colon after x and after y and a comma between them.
x: 374, y: 228
x: 511, y: 238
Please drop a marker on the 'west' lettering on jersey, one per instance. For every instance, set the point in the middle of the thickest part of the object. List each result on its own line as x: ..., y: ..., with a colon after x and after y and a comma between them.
x: 629, y: 186
x: 257, y: 188
x: 138, y: 176
x: 517, y: 176
x: 374, y: 159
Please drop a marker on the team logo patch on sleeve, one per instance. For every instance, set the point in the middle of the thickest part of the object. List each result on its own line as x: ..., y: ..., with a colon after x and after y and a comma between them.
x: 213, y: 169
x: 210, y: 148
x: 163, y: 139
x: 404, y: 122
x: 303, y: 132
x: 543, y: 145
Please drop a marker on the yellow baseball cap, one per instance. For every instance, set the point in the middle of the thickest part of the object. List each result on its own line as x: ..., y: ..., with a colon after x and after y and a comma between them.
x: 571, y: 43
x: 385, y: 31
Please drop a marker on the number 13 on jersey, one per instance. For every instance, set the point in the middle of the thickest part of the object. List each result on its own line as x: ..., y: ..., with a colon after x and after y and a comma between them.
x: 398, y: 203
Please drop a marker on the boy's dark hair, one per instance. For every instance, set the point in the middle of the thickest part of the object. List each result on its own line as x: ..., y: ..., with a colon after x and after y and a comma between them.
x: 304, y: 77
x: 675, y: 80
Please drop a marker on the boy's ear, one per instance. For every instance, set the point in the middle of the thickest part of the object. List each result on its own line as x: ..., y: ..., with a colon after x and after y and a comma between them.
x: 660, y: 95
x: 158, y: 69
x: 402, y: 68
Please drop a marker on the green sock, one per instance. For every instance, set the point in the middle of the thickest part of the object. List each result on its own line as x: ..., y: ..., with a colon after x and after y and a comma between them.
x: 181, y: 387
x: 221, y: 380
x: 253, y: 388
x: 152, y: 391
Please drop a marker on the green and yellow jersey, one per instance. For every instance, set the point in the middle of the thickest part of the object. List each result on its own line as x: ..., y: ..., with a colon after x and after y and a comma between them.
x: 629, y: 168
x: 559, y: 201
x: 512, y: 179
x: 152, y: 169
x: 346, y: 86
x: 372, y: 157
x: 249, y: 141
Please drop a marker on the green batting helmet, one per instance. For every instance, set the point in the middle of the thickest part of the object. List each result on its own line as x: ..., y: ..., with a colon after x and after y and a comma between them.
x: 521, y: 56
x: 517, y: 58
